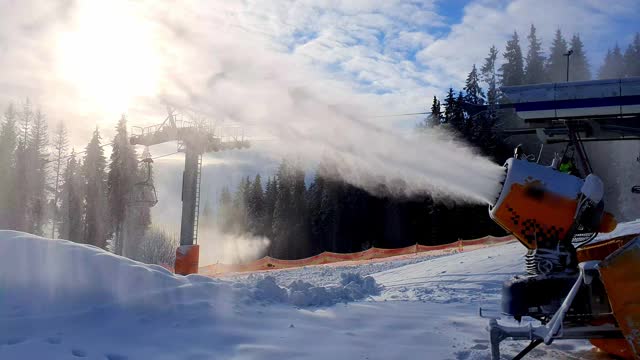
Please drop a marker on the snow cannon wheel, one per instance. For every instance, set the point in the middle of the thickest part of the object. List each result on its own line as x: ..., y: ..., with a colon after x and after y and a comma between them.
x: 187, y: 259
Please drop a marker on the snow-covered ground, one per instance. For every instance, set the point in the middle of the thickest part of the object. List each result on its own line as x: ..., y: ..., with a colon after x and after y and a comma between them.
x: 60, y: 300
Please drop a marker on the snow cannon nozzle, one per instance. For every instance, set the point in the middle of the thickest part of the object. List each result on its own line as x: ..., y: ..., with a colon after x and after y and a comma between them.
x: 500, y: 187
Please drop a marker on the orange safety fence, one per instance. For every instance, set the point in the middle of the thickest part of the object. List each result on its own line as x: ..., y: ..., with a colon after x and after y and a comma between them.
x: 269, y: 263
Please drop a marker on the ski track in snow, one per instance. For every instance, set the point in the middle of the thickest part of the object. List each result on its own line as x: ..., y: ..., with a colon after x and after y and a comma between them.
x: 60, y: 300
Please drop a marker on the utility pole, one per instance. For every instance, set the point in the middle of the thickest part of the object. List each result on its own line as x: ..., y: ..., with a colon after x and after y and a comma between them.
x: 568, y: 55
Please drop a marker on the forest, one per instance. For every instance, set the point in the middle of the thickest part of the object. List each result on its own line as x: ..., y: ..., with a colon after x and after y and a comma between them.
x: 51, y: 190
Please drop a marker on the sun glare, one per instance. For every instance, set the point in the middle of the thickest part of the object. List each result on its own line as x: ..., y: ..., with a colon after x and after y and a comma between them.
x: 108, y: 56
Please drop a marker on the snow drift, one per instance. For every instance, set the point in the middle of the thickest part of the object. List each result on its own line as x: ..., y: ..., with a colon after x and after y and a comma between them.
x: 63, y: 274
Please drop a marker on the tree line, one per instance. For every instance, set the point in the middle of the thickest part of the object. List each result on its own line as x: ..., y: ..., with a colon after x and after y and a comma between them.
x: 51, y: 190
x: 536, y: 67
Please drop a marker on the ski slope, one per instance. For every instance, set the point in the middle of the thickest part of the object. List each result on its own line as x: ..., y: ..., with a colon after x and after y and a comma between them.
x: 61, y: 300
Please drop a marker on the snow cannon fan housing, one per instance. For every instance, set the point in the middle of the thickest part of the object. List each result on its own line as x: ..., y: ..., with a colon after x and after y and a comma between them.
x: 543, y: 207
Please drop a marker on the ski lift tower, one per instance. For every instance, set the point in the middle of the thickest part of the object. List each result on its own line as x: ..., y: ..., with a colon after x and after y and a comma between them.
x: 194, y: 139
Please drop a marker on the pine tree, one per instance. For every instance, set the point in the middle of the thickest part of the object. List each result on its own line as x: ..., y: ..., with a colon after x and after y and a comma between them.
x: 207, y: 214
x: 472, y: 89
x: 255, y: 207
x: 26, y: 117
x: 138, y: 218
x: 513, y: 68
x: 225, y: 211
x: 96, y: 197
x: 299, y: 223
x: 123, y: 174
x: 579, y: 67
x: 463, y: 123
x: 453, y: 111
x: 240, y: 202
x: 534, y: 68
x: 449, y: 107
x: 557, y: 62
x: 8, y: 144
x: 488, y: 71
x: 632, y: 57
x: 37, y: 155
x: 270, y: 198
x: 22, y: 185
x: 434, y: 118
x: 60, y: 147
x: 23, y: 176
x: 283, y: 213
x: 330, y: 215
x: 613, y: 67
x: 314, y: 200
x: 71, y: 214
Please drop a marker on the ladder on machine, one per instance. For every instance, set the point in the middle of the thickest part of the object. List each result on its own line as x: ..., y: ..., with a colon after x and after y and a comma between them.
x: 197, y: 204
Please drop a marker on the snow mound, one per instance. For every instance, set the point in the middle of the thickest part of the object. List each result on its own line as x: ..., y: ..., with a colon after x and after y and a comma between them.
x: 66, y: 276
x: 300, y: 293
x: 63, y: 272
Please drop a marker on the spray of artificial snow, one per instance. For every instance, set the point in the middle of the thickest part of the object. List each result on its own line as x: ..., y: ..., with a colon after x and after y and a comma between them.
x: 219, y: 247
x: 315, y: 119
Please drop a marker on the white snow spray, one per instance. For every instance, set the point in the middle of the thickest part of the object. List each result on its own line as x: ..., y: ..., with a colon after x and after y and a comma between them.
x: 220, y: 247
x: 317, y: 120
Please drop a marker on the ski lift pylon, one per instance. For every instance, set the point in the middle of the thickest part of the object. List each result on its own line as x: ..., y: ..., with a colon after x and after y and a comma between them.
x: 143, y: 193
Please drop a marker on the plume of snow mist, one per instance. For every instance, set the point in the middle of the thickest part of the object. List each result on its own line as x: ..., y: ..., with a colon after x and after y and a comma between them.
x: 219, y: 247
x: 315, y: 117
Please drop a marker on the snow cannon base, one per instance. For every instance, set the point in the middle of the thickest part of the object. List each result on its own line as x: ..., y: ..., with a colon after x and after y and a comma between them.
x: 620, y: 273
x: 187, y: 259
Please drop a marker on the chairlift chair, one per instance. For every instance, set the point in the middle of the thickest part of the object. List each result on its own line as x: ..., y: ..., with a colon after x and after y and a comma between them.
x: 143, y: 193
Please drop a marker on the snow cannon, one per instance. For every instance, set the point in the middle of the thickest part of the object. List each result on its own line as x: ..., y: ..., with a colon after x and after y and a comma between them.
x: 575, y: 288
x: 544, y: 209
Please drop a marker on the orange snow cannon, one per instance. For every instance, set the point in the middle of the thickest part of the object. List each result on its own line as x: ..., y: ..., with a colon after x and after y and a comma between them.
x: 574, y: 288
x: 545, y: 208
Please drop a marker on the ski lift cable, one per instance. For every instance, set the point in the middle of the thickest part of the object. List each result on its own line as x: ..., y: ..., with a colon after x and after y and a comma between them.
x: 75, y: 153
x: 397, y: 115
x: 101, y: 146
x: 160, y: 156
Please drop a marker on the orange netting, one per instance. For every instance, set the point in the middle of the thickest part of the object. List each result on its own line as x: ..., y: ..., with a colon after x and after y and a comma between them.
x: 269, y: 263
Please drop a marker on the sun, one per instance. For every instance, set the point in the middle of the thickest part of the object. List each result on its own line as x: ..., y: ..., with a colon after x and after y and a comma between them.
x: 107, y: 55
